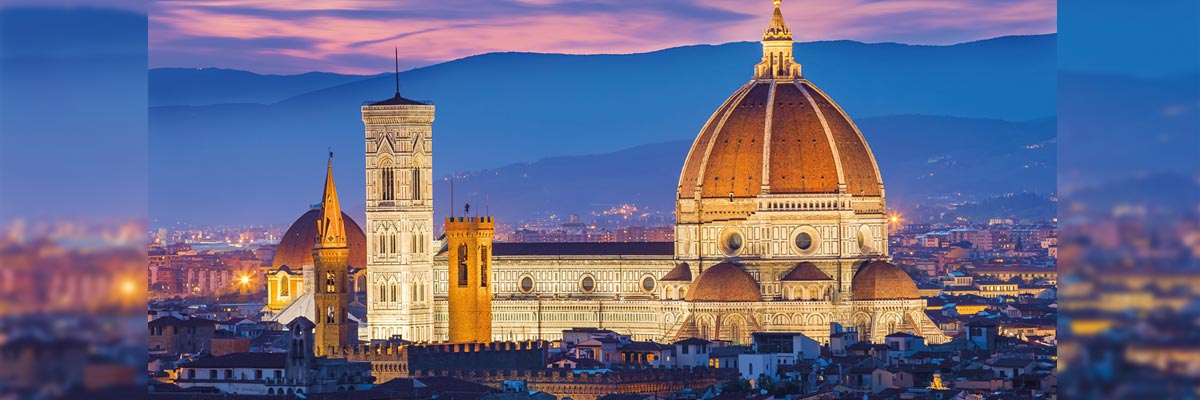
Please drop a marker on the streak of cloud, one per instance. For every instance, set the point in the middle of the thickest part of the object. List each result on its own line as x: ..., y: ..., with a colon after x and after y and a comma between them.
x: 357, y: 36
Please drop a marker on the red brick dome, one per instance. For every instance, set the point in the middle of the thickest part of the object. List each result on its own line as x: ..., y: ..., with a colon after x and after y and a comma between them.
x: 880, y: 280
x: 295, y: 249
x: 787, y: 137
x: 724, y: 282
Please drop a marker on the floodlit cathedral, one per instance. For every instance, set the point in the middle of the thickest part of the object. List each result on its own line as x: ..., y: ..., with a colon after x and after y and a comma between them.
x: 780, y: 226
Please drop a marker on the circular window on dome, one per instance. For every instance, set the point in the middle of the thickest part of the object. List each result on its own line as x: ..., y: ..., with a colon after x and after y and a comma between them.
x: 865, y: 239
x: 805, y: 240
x: 648, y: 284
x: 587, y: 284
x: 526, y: 284
x: 731, y: 242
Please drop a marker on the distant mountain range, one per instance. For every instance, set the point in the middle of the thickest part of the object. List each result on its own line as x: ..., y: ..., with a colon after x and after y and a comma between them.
x: 233, y: 147
x: 920, y: 157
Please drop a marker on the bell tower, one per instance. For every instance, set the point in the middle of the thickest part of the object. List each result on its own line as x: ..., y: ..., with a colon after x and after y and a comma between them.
x: 469, y: 292
x: 330, y: 263
x: 399, y: 229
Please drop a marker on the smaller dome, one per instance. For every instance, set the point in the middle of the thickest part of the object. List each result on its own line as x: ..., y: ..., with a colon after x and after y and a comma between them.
x: 681, y: 273
x: 880, y: 280
x: 295, y: 249
x: 724, y: 282
x: 805, y: 271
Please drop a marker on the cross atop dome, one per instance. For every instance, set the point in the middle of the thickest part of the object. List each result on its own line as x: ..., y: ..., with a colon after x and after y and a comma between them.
x: 777, y: 62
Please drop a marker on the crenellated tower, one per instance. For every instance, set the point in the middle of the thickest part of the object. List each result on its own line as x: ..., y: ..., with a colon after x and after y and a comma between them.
x: 469, y: 292
x: 399, y: 228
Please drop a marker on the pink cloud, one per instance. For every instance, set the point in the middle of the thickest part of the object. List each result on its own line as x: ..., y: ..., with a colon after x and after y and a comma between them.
x: 346, y: 35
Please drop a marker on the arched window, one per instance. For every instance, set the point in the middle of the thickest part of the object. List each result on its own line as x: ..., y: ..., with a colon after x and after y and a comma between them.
x: 283, y: 285
x: 330, y: 282
x: 388, y: 182
x: 416, y: 183
x: 462, y: 265
x: 483, y: 266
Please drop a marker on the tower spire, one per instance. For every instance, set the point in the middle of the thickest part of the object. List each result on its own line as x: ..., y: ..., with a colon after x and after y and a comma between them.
x: 331, y: 229
x: 777, y: 62
x: 397, y: 51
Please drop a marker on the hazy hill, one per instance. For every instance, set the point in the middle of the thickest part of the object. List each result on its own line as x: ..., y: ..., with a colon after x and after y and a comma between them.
x: 192, y: 86
x: 256, y: 162
x: 920, y: 157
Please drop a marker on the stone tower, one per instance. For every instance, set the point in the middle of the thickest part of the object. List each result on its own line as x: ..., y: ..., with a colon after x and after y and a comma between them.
x: 330, y: 255
x: 469, y: 293
x: 399, y: 228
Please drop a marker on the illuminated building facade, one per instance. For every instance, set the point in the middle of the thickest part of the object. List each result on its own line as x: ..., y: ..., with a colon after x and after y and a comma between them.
x: 781, y: 226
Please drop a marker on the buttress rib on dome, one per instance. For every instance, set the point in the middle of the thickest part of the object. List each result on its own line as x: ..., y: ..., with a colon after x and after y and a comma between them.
x: 811, y: 146
x: 881, y: 280
x: 724, y: 282
x: 295, y: 250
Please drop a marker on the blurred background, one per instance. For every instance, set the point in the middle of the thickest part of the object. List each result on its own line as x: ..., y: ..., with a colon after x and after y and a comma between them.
x: 72, y: 200
x: 1129, y: 209
x: 73, y: 170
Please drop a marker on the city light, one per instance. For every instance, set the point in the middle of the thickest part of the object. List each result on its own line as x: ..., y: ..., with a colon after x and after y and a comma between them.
x: 245, y: 280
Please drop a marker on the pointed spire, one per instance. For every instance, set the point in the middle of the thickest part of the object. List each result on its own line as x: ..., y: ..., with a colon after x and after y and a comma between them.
x: 397, y: 51
x: 331, y: 229
x: 778, y: 29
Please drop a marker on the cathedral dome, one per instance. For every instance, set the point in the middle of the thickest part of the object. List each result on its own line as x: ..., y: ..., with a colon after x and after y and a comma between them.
x: 295, y: 250
x: 779, y: 138
x: 724, y: 282
x: 880, y: 280
x: 779, y: 134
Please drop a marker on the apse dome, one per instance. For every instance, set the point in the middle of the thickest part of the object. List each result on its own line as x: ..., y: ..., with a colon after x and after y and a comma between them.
x: 880, y: 280
x: 724, y: 282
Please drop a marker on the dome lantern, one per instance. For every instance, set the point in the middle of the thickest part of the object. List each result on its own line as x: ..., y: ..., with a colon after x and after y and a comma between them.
x: 777, y: 61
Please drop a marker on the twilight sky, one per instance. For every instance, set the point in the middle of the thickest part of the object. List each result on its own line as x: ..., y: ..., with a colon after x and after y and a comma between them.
x: 357, y: 36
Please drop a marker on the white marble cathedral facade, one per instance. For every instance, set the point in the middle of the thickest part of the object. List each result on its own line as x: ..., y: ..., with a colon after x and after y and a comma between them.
x: 781, y: 226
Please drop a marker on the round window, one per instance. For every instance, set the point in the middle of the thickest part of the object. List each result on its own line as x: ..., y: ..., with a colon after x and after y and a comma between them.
x: 587, y: 284
x: 526, y: 284
x: 865, y: 239
x: 648, y: 284
x: 731, y: 242
x: 804, y: 241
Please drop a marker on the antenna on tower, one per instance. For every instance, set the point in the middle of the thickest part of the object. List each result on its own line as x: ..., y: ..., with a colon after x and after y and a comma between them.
x: 451, y: 198
x: 397, y: 51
